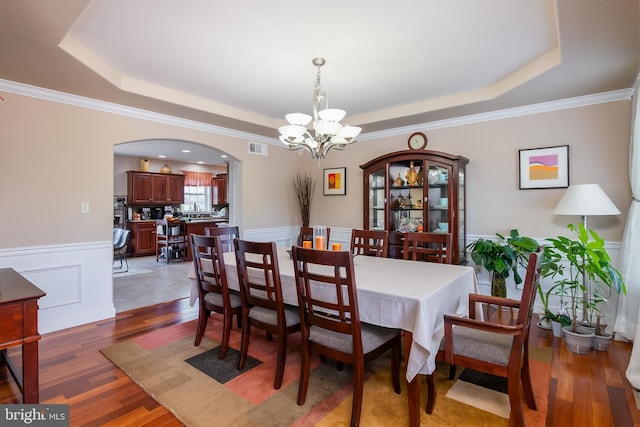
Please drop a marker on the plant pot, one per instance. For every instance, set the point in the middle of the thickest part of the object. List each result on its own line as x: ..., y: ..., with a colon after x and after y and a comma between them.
x: 601, y: 342
x: 556, y: 327
x: 544, y: 324
x: 498, y: 285
x: 579, y: 342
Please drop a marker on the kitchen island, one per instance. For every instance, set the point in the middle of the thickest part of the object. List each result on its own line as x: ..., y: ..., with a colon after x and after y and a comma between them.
x: 197, y: 226
x: 143, y: 233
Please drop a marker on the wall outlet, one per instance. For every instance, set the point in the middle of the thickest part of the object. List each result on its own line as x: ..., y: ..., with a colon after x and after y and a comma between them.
x: 84, y: 207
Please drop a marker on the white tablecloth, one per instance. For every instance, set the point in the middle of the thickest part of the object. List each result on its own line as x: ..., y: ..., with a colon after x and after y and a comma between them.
x: 408, y: 295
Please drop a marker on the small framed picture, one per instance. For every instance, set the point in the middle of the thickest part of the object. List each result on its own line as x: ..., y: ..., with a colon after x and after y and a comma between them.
x: 546, y: 167
x: 335, y: 182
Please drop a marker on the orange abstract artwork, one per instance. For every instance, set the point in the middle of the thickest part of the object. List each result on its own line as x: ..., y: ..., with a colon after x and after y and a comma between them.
x: 334, y: 181
x: 543, y: 167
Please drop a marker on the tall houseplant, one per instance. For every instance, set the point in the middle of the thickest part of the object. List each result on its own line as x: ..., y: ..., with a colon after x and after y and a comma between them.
x: 502, y: 257
x: 304, y: 186
x: 585, y: 267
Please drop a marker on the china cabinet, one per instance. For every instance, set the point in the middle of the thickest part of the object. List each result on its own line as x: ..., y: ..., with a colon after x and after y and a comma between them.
x: 416, y: 191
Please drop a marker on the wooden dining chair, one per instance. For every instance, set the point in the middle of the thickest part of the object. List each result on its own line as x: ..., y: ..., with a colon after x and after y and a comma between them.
x: 226, y: 233
x: 213, y: 289
x: 262, y: 303
x: 370, y: 242
x: 497, y: 348
x: 306, y: 233
x: 431, y: 247
x: 330, y: 321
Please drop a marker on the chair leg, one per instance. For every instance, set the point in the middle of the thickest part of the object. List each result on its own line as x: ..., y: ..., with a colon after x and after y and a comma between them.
x: 305, y: 366
x: 244, y: 345
x: 282, y: 357
x: 227, y: 319
x: 452, y: 371
x: 203, y: 317
x: 395, y: 367
x: 515, y: 400
x: 358, y: 388
x: 525, y: 376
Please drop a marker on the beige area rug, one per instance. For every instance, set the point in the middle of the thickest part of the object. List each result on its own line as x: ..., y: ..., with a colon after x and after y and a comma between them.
x: 162, y: 363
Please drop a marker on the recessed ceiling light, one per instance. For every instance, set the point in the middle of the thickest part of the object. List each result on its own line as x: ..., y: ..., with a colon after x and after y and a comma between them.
x: 186, y: 151
x: 200, y: 162
x: 224, y: 156
x: 162, y: 156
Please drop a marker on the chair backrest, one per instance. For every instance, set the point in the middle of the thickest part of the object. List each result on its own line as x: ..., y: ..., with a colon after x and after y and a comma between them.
x: 370, y: 242
x: 306, y: 233
x: 123, y: 240
x: 226, y: 234
x: 529, y: 289
x: 208, y: 261
x: 117, y: 234
x: 431, y: 247
x: 327, y: 298
x: 259, y: 275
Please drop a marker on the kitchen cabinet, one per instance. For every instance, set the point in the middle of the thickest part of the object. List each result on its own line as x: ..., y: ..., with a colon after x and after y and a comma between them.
x: 167, y: 189
x: 416, y: 190
x: 143, y: 237
x: 139, y: 188
x: 220, y: 189
x: 145, y: 188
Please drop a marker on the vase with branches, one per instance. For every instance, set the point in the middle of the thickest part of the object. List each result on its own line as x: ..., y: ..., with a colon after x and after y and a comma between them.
x: 304, y: 186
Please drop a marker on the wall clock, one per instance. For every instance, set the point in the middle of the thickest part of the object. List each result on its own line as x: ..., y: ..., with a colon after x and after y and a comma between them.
x: 417, y: 141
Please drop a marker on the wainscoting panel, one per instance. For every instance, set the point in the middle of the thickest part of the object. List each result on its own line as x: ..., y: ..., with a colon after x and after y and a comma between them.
x: 77, y: 279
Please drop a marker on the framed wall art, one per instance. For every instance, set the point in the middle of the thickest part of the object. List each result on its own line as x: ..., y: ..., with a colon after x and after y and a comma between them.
x: 335, y: 182
x: 546, y: 167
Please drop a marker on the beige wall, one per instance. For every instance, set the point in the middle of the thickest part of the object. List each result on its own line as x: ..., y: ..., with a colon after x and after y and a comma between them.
x: 57, y: 155
x: 598, y: 139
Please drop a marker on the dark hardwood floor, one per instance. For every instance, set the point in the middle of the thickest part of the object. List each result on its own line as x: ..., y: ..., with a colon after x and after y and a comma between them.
x: 585, y: 390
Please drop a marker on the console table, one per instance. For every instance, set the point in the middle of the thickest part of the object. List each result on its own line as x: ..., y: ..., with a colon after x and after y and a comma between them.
x: 19, y: 326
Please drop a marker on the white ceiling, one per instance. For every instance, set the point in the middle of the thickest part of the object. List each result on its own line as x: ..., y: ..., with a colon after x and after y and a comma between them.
x: 245, y: 64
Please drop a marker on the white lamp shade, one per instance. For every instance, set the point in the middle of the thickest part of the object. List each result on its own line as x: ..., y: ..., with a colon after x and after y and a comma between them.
x: 299, y: 119
x: 292, y: 131
x: 332, y: 114
x: 327, y: 128
x: 585, y: 200
x: 346, y: 135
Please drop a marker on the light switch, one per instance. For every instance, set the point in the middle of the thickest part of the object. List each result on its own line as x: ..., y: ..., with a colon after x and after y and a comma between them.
x: 84, y: 207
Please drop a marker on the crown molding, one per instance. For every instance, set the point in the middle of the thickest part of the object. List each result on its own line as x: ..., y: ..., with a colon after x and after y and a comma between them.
x: 543, y: 107
x: 109, y: 107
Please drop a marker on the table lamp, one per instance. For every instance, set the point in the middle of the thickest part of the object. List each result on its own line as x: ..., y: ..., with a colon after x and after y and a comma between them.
x: 585, y: 200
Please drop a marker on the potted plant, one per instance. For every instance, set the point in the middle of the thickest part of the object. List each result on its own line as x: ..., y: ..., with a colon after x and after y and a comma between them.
x: 502, y: 257
x: 586, y: 269
x: 560, y: 319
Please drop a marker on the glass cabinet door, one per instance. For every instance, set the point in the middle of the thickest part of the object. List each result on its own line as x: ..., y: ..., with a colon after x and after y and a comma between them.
x: 461, y: 219
x: 438, y: 180
x: 406, y: 196
x: 376, y: 200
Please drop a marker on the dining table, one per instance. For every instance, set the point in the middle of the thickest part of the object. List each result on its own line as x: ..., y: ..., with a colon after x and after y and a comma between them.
x: 410, y: 295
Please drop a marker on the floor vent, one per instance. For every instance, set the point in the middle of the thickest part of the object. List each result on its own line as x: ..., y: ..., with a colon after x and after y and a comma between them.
x: 257, y: 148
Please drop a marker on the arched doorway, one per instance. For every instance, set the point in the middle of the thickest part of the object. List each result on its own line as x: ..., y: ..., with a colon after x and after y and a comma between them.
x: 149, y: 282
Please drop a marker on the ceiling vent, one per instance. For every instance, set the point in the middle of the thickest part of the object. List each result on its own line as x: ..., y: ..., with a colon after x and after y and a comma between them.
x: 257, y: 148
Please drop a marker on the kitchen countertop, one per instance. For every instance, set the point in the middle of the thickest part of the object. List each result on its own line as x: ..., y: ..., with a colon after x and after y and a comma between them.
x: 215, y: 219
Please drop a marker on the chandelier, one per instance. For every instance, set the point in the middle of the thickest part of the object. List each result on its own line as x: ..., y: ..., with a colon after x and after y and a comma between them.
x: 328, y: 133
